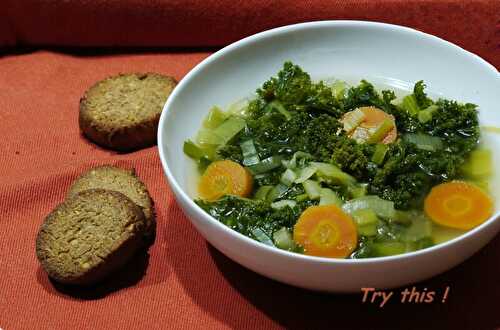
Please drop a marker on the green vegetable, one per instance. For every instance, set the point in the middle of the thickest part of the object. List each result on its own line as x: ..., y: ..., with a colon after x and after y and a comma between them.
x: 332, y: 173
x: 214, y: 118
x: 410, y: 105
x: 405, y: 174
x: 208, y: 137
x: 381, y: 131
x: 229, y: 128
x: 420, y: 228
x: 288, y: 177
x: 426, y: 115
x: 403, y: 217
x: 301, y: 197
x: 356, y: 118
x: 457, y: 125
x: 382, y: 208
x: 367, y: 230
x: 424, y: 141
x: 250, y: 156
x: 365, y: 95
x: 325, y: 141
x: 263, y: 192
x: 283, y: 239
x: 365, y: 217
x: 320, y: 137
x: 357, y: 190
x: 442, y: 234
x: 192, y: 150
x: 366, y: 221
x: 409, y: 172
x: 223, y: 133
x: 379, y: 153
x: 419, y: 245
x: 277, y: 106
x: 479, y: 164
x: 203, y: 155
x: 328, y: 197
x: 293, y: 142
x: 283, y: 203
x: 203, y: 163
x: 312, y: 188
x: 298, y: 157
x: 419, y: 93
x: 305, y: 173
x: 277, y: 192
x: 413, y: 103
x: 352, y: 157
x: 338, y: 89
x: 244, y: 215
x: 266, y: 165
x: 384, y: 249
x: 238, y: 108
x: 261, y: 236
x: 292, y: 86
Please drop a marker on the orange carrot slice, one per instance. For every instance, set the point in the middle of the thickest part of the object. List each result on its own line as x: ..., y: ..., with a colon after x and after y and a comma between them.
x: 326, y: 231
x: 373, y: 118
x: 458, y: 204
x: 225, y: 177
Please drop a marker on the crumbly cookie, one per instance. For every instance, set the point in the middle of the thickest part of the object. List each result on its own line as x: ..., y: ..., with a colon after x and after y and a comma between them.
x: 121, y: 180
x: 122, y: 112
x: 89, y: 236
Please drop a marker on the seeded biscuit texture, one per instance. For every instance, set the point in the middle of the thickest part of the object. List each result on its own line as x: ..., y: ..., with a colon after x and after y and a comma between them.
x: 90, y: 235
x: 122, y: 112
x: 118, y: 179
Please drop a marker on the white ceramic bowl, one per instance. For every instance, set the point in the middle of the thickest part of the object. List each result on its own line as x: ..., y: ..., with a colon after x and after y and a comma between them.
x: 350, y: 50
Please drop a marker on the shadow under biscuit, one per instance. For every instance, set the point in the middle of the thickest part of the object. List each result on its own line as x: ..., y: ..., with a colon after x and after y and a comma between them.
x: 129, y: 275
x: 150, y: 239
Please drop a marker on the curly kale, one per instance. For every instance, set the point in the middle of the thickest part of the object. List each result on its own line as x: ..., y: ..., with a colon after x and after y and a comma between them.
x: 420, y: 96
x: 246, y: 215
x: 409, y: 172
x: 274, y: 135
x: 457, y: 124
x: 308, y: 121
x: 294, y: 89
x: 353, y: 158
x: 362, y: 95
x: 321, y: 99
x: 291, y: 86
x: 231, y: 152
x: 400, y: 179
x: 320, y: 136
x: 365, y: 95
x: 249, y: 213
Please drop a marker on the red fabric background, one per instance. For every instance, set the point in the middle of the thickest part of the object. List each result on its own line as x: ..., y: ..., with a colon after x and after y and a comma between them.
x: 187, y: 283
x: 473, y: 24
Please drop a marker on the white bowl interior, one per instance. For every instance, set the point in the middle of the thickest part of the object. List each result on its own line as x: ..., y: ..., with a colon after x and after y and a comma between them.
x: 387, y: 55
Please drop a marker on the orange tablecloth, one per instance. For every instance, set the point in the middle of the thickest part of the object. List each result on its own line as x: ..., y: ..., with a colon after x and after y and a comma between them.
x: 186, y: 283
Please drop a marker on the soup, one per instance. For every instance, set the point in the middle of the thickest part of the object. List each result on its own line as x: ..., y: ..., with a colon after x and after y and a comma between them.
x: 332, y: 170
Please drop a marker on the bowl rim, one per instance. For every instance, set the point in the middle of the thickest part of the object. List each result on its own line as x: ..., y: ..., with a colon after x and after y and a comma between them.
x: 180, y: 193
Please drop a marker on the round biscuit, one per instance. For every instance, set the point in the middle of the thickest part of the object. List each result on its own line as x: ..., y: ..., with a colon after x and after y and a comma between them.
x: 121, y: 180
x: 90, y: 235
x: 122, y: 112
